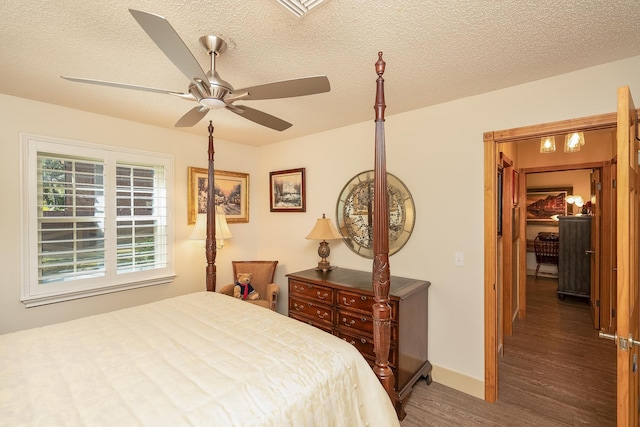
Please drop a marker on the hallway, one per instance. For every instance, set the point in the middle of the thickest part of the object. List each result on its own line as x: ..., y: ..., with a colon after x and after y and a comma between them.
x: 555, y: 372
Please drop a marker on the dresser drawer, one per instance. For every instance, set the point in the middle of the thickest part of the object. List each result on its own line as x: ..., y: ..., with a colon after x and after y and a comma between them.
x: 365, y: 346
x: 311, y: 291
x: 355, y: 321
x: 360, y: 323
x: 362, y: 302
x: 310, y: 309
x: 316, y: 323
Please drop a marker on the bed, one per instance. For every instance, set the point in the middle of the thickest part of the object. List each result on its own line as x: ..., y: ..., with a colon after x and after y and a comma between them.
x: 194, y: 360
x: 204, y: 359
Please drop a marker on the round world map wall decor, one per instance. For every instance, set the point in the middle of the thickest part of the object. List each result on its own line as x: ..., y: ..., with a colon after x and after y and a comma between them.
x: 354, y: 212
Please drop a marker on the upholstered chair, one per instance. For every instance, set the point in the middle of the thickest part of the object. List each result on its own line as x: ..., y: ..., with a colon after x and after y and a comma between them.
x: 262, y: 281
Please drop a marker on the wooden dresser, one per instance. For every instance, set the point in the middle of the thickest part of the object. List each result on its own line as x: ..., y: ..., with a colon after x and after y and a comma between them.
x: 340, y: 302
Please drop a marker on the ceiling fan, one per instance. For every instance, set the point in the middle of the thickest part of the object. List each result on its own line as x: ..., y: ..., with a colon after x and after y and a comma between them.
x: 209, y: 90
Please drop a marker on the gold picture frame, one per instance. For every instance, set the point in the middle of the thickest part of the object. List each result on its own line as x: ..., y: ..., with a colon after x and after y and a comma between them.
x: 231, y: 190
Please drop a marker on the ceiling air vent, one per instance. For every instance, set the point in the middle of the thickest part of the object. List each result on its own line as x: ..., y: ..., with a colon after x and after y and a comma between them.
x: 301, y: 7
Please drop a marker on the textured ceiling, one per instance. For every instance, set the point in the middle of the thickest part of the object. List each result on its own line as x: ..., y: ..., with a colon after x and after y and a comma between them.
x: 436, y: 51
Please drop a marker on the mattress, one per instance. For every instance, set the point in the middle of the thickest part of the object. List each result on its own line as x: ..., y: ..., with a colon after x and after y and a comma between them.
x: 202, y: 359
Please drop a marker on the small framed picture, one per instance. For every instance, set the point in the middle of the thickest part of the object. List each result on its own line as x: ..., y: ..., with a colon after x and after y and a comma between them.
x: 288, y: 193
x: 231, y: 194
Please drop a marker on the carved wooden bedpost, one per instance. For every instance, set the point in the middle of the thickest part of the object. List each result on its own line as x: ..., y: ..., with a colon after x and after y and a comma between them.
x: 381, y: 274
x: 210, y: 243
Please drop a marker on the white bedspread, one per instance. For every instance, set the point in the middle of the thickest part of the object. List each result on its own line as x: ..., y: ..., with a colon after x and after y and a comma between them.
x: 202, y: 359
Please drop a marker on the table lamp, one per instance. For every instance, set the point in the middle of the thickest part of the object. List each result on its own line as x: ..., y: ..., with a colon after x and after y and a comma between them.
x: 324, y: 230
x: 222, y: 229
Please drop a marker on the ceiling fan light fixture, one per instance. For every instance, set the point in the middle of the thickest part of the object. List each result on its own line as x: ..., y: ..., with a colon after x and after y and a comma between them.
x: 212, y: 103
x: 300, y: 8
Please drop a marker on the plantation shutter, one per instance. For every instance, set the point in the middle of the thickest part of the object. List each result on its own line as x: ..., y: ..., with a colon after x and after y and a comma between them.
x: 141, y: 218
x: 71, y: 218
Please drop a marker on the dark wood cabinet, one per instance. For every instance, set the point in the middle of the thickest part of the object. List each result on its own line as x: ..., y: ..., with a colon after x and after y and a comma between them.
x: 574, y: 262
x: 340, y: 302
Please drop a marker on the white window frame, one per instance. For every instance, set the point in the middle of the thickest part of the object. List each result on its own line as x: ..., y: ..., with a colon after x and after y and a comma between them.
x: 35, y: 294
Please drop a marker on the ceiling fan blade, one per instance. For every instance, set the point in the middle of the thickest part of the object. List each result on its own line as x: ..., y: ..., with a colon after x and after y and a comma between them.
x: 192, y: 117
x: 128, y: 86
x: 283, y: 89
x: 259, y: 117
x: 168, y: 40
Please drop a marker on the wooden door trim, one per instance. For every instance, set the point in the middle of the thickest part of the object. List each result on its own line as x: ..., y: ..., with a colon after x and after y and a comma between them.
x: 491, y: 140
x: 505, y: 286
x: 627, y: 258
x: 601, y: 121
x: 490, y: 269
x: 559, y: 168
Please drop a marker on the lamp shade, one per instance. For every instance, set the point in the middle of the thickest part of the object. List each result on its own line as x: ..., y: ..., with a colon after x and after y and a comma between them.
x: 324, y: 230
x: 222, y: 229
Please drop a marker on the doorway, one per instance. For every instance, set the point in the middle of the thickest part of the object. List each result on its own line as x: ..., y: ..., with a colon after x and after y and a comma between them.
x: 494, y: 144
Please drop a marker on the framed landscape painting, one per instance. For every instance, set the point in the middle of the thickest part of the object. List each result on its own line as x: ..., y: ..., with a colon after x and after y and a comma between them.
x: 543, y: 203
x: 288, y: 191
x: 231, y: 193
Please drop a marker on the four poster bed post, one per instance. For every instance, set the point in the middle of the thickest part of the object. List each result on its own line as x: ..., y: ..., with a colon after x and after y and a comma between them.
x: 210, y: 243
x: 381, y: 273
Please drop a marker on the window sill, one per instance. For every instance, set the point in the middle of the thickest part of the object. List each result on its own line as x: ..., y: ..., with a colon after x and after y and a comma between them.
x: 35, y: 301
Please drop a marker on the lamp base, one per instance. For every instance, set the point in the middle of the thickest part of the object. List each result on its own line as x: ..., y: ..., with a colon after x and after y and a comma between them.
x: 324, y: 266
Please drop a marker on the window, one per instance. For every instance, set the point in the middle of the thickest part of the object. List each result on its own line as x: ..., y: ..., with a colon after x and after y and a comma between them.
x: 97, y: 219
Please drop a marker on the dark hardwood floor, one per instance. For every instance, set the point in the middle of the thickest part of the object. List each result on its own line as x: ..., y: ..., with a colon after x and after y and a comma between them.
x: 555, y: 372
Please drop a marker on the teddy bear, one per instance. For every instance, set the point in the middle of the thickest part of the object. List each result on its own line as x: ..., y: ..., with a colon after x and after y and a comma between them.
x: 243, y: 288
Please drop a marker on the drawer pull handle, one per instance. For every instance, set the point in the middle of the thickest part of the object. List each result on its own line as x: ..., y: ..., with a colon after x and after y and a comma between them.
x: 296, y: 288
x: 363, y: 297
x: 348, y: 324
x: 322, y: 296
x: 353, y: 342
x: 322, y: 315
x: 298, y: 307
x: 344, y: 301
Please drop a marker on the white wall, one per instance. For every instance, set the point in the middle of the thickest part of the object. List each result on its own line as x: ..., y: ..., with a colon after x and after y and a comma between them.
x: 25, y: 116
x: 437, y: 152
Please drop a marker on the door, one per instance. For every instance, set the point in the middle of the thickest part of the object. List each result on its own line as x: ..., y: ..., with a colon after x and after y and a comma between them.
x: 627, y: 261
x: 596, y: 190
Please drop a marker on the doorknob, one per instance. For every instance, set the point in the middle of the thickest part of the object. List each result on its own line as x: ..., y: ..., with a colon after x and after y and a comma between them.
x: 608, y: 336
x: 623, y: 343
x: 589, y: 252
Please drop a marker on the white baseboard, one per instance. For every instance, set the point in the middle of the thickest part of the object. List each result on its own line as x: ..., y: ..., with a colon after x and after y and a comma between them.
x: 458, y: 381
